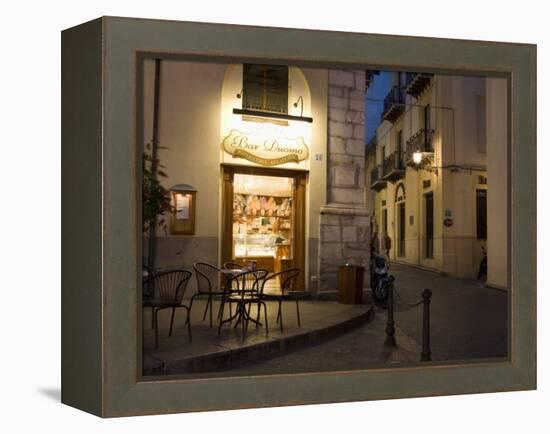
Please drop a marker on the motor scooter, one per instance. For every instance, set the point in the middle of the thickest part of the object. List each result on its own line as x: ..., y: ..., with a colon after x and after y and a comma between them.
x: 380, y: 279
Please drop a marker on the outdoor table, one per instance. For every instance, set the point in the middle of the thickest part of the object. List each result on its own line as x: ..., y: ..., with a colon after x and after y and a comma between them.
x: 232, y: 271
x: 241, y: 313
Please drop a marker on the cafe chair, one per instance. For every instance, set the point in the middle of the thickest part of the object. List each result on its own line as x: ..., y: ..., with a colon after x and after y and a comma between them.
x: 231, y: 265
x: 208, y: 285
x: 165, y: 291
x: 246, y: 293
x: 287, y: 283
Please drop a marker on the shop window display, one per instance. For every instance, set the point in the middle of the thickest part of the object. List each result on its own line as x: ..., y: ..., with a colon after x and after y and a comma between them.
x: 263, y: 220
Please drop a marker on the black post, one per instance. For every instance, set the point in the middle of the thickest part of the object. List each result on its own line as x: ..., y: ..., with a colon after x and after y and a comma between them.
x: 152, y: 242
x: 390, y: 328
x: 426, y: 354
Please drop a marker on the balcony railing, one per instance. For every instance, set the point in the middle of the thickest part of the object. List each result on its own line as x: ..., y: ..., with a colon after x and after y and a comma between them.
x: 376, y: 181
x: 417, y: 82
x: 420, y: 141
x: 394, y: 166
x: 394, y: 104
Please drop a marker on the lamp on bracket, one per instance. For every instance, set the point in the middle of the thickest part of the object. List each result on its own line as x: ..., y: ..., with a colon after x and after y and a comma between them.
x: 423, y: 160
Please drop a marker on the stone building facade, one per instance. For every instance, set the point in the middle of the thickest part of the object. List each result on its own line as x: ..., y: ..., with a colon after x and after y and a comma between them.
x: 196, y: 120
x: 344, y: 221
x: 445, y: 211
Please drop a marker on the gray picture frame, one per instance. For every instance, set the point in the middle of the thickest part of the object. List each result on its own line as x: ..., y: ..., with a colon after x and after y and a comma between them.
x: 101, y: 350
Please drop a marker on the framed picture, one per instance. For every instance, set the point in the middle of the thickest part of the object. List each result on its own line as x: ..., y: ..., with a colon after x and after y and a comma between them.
x: 282, y: 217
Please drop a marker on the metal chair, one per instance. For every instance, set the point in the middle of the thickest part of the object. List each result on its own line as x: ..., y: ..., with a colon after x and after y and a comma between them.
x: 166, y: 290
x: 287, y: 282
x: 248, y: 292
x: 230, y: 265
x: 208, y: 285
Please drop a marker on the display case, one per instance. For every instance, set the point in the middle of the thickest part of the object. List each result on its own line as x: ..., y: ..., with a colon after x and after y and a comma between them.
x: 254, y: 245
x: 262, y: 229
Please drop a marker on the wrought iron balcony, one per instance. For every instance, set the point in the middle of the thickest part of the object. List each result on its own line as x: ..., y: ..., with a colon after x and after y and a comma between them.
x: 394, y: 166
x: 376, y: 181
x: 420, y: 141
x: 417, y: 82
x: 394, y: 104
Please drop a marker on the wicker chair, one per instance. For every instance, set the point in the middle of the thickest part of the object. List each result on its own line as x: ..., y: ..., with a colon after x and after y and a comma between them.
x: 208, y: 285
x: 287, y: 282
x: 165, y: 291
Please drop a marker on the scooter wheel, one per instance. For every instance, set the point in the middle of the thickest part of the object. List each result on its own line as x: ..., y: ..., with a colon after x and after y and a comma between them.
x: 380, y: 293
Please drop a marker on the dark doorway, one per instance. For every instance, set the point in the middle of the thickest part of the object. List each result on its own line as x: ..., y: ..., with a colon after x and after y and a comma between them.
x: 429, y: 216
x: 481, y: 214
x: 401, y: 229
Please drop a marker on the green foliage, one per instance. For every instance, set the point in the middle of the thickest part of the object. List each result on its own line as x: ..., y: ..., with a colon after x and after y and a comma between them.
x: 155, y: 198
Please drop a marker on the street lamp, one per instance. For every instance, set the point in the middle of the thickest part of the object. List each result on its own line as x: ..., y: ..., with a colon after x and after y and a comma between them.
x: 417, y: 157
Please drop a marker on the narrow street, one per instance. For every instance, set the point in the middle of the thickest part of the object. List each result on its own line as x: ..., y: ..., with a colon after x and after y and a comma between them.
x: 468, y: 320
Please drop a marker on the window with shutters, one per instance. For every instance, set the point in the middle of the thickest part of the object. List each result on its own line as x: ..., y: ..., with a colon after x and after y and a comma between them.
x: 265, y: 88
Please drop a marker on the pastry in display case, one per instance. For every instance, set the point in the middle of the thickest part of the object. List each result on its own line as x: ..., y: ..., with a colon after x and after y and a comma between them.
x: 254, y: 245
x: 262, y: 229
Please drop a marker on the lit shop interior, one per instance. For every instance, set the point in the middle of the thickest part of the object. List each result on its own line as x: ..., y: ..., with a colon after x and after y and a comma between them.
x: 263, y: 213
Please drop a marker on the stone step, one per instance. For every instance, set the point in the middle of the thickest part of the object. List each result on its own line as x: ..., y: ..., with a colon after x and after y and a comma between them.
x: 210, y: 353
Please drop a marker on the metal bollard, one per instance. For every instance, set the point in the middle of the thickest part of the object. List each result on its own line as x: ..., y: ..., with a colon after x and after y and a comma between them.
x: 426, y: 354
x: 390, y: 328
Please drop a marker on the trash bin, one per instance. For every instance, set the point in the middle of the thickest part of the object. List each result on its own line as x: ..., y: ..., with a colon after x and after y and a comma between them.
x: 350, y: 284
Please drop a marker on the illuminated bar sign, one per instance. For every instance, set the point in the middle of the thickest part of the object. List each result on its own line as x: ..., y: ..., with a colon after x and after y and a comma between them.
x: 267, y: 151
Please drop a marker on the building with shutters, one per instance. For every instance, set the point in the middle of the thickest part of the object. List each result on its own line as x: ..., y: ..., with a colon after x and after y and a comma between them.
x: 437, y: 171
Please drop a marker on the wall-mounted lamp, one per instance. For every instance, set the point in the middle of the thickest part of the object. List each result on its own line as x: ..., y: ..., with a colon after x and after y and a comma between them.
x: 417, y: 157
x: 300, y: 100
x: 421, y: 158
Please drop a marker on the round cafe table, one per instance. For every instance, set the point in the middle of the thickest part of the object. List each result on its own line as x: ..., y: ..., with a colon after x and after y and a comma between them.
x: 241, y: 314
x: 232, y: 271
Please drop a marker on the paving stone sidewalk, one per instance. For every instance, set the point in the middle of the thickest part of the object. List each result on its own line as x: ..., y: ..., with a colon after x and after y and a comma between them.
x: 358, y: 349
x: 210, y: 351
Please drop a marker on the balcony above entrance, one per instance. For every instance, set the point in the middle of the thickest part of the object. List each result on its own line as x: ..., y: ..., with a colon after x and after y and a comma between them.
x: 394, y: 167
x: 394, y: 104
x: 376, y: 181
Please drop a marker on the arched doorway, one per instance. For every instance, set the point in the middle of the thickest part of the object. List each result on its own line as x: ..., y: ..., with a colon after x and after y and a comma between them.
x: 400, y: 218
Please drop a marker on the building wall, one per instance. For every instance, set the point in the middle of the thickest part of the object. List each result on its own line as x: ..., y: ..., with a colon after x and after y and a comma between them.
x: 497, y: 183
x: 190, y: 129
x: 457, y: 113
x: 316, y: 193
x: 189, y: 105
x: 345, y: 221
x: 370, y: 164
